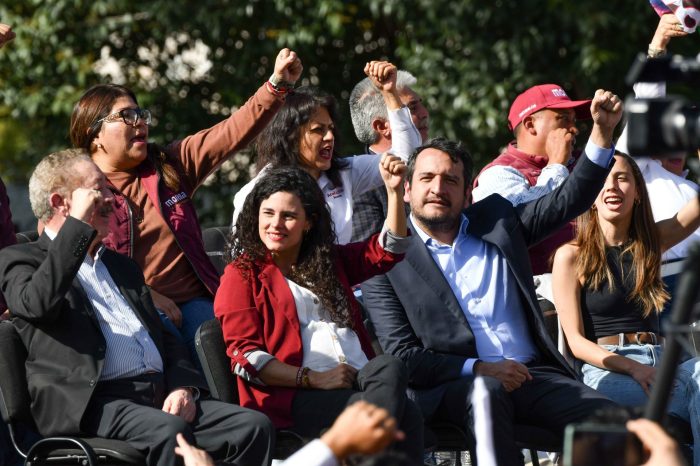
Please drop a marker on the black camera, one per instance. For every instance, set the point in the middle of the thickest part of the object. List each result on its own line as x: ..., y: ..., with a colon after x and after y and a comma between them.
x: 663, y: 125
x: 597, y: 444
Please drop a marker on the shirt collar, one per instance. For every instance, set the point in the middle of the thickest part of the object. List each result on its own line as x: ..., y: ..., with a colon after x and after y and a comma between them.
x: 323, y: 181
x: 430, y: 242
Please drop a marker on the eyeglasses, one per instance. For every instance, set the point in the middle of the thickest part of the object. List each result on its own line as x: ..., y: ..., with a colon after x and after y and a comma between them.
x: 130, y: 116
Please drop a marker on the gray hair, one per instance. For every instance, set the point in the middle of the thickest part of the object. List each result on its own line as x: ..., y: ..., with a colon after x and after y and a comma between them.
x: 367, y: 104
x: 55, y: 173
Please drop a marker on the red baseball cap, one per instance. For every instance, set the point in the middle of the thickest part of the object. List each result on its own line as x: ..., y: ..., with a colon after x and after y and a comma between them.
x: 545, y: 96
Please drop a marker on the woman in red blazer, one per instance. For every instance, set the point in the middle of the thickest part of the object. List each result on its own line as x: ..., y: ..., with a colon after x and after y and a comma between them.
x: 292, y: 326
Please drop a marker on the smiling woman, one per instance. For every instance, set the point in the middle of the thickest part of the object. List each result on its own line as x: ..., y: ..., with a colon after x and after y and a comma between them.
x: 304, y: 134
x: 608, y: 294
x: 154, y: 221
x: 292, y: 326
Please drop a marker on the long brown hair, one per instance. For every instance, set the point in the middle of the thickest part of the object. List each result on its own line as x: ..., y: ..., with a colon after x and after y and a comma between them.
x: 95, y: 104
x: 643, y: 244
x: 315, y: 266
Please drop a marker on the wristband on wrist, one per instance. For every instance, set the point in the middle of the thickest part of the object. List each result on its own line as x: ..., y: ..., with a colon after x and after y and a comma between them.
x: 653, y: 52
x: 279, y: 87
x: 303, y: 377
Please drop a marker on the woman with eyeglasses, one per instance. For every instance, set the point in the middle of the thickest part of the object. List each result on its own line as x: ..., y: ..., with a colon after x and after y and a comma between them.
x: 155, y: 222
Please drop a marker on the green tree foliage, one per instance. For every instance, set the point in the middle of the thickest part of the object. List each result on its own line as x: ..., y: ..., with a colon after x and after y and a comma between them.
x: 471, y: 58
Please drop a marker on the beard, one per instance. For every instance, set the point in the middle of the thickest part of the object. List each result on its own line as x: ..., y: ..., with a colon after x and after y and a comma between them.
x: 445, y: 222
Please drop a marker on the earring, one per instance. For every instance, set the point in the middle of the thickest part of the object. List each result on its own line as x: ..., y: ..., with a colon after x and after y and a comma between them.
x: 99, y: 146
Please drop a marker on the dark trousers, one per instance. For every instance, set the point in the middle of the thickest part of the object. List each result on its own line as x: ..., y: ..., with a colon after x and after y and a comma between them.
x: 382, y: 381
x: 129, y: 410
x: 551, y: 400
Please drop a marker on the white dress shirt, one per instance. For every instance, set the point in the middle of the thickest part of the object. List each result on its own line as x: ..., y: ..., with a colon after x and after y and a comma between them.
x: 359, y: 176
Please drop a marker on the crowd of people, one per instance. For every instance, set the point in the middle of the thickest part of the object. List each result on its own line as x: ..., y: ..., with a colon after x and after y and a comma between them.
x: 108, y: 300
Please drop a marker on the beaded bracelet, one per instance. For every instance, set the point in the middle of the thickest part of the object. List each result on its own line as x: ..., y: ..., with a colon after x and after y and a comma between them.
x: 303, y: 377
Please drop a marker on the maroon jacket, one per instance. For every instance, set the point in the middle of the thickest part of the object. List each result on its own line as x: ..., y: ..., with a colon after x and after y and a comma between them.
x: 258, y: 312
x: 181, y: 217
x: 194, y: 158
x: 531, y: 166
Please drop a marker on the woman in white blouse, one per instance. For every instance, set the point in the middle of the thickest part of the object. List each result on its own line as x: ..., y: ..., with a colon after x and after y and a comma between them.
x: 303, y: 133
x: 292, y: 327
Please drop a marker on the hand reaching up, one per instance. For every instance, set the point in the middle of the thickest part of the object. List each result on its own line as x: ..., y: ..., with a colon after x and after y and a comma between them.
x: 6, y: 34
x: 288, y: 66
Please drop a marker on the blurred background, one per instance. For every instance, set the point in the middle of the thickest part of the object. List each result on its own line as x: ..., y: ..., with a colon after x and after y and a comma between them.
x: 193, y: 62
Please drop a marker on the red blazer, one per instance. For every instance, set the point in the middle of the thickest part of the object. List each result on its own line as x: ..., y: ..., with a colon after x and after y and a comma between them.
x: 258, y: 312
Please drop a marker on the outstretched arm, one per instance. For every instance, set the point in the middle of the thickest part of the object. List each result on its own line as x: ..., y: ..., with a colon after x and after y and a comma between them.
x: 675, y: 229
x: 6, y: 34
x: 203, y: 152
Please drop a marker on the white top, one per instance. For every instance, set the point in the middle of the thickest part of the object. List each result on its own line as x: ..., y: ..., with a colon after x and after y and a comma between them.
x: 324, y: 343
x: 314, y: 453
x: 361, y: 175
x: 668, y: 192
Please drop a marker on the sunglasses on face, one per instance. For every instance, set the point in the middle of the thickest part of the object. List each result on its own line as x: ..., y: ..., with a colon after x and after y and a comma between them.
x: 130, y: 116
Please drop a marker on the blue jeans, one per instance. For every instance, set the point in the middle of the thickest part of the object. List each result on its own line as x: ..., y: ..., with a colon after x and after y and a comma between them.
x: 624, y: 390
x: 194, y: 313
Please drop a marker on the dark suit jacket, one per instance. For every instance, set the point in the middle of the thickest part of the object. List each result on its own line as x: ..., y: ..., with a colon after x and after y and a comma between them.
x: 417, y: 317
x: 58, y: 326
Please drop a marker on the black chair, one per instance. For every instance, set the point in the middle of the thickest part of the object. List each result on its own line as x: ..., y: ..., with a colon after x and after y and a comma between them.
x: 27, y: 236
x: 215, y: 240
x: 211, y: 349
x: 14, y: 407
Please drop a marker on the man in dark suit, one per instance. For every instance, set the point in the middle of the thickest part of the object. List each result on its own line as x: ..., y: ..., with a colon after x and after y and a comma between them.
x: 462, y: 303
x: 100, y: 361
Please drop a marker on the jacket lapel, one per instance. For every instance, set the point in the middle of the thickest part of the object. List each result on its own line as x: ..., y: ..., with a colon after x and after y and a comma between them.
x: 76, y: 288
x: 280, y: 294
x: 424, y: 265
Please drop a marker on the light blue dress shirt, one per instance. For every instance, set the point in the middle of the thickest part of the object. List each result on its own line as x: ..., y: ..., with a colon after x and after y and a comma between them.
x: 487, y: 291
x: 130, y: 350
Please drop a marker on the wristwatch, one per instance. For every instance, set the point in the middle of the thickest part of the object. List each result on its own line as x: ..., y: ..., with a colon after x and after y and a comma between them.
x: 279, y: 85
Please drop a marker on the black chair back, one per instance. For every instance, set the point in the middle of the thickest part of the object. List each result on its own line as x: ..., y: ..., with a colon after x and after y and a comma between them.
x: 215, y: 241
x: 211, y: 350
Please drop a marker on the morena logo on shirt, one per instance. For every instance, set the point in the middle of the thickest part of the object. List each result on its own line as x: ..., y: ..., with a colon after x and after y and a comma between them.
x: 181, y: 196
x: 336, y: 193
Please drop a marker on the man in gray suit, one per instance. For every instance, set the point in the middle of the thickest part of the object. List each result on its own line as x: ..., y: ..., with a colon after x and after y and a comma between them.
x: 99, y: 359
x: 462, y: 303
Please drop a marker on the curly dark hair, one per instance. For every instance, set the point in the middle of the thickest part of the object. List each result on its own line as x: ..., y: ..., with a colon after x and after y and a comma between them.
x: 315, y: 267
x: 278, y: 144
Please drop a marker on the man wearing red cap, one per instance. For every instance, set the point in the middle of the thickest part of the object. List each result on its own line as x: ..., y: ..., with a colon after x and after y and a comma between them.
x: 543, y: 120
